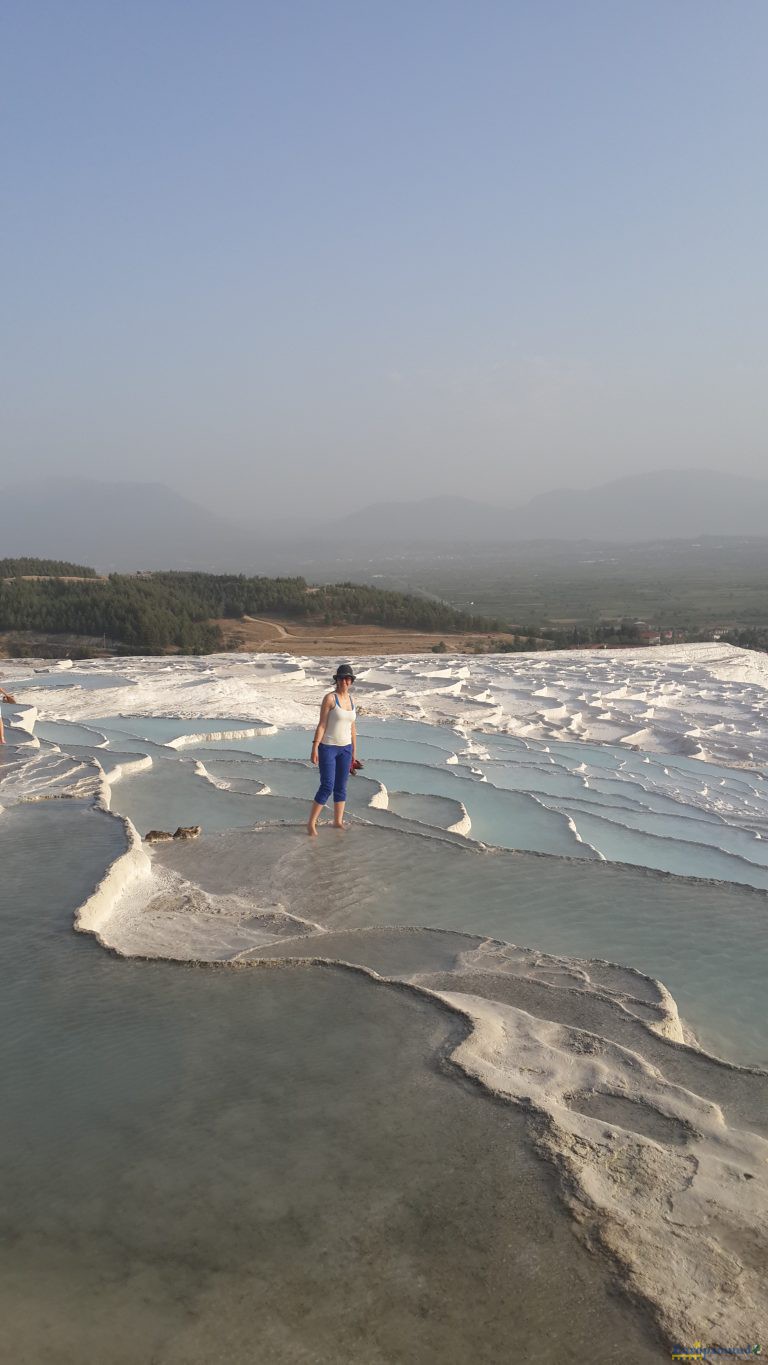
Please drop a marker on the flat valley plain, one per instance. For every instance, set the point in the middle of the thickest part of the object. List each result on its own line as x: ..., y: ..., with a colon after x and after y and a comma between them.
x: 706, y: 583
x: 710, y: 584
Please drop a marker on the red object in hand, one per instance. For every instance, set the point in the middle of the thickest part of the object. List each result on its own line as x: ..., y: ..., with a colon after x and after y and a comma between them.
x: 354, y: 765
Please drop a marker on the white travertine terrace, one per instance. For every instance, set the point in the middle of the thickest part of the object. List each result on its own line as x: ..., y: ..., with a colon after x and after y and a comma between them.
x: 661, y: 1150
x: 708, y: 701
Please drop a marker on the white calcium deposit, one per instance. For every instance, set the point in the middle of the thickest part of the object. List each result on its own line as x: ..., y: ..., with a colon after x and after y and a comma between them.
x: 708, y: 701
x: 660, y: 1149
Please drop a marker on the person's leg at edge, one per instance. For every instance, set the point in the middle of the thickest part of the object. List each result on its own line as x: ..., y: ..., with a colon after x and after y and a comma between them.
x: 327, y: 766
x: 343, y: 760
x: 314, y: 816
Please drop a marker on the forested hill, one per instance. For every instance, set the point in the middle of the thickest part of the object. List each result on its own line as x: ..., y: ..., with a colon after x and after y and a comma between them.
x: 151, y: 613
x: 44, y: 568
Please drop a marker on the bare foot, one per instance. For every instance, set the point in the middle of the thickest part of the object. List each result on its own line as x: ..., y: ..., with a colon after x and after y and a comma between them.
x: 335, y: 826
x: 311, y: 831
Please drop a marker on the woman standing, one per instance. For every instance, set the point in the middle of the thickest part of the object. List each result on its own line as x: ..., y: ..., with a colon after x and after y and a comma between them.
x: 333, y: 747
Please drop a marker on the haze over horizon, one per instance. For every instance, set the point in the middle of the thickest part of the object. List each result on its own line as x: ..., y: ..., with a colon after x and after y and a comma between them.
x: 312, y: 258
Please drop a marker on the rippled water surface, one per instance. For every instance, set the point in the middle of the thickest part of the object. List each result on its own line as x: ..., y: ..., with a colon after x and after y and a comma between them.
x: 705, y: 941
x: 206, y: 1164
x: 277, y: 1162
x: 558, y: 798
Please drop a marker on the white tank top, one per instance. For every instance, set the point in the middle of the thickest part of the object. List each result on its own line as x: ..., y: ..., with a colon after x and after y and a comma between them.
x: 338, y: 727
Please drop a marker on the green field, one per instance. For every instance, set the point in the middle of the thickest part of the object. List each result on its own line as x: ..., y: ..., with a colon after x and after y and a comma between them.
x: 698, y: 585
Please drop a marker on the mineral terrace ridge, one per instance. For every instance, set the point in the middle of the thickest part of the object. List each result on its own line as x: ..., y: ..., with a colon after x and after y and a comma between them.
x: 660, y: 1149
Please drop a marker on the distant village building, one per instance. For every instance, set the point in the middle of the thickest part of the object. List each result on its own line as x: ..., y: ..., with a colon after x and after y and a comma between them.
x: 653, y: 635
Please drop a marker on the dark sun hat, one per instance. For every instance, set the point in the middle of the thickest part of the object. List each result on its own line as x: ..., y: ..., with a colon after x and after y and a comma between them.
x: 344, y: 671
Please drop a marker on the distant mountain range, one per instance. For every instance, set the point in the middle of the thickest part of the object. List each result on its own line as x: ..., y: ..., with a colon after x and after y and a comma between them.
x: 125, y: 526
x: 120, y: 526
x: 669, y: 505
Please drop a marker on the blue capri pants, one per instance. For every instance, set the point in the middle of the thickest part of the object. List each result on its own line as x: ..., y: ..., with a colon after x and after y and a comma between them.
x: 334, y: 762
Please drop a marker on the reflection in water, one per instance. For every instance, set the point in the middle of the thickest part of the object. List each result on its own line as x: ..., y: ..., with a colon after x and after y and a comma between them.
x: 704, y: 941
x: 220, y: 1130
x: 216, y: 1163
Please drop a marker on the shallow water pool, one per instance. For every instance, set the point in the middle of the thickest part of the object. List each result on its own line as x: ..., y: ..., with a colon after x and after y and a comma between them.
x: 163, y: 729
x: 213, y: 1163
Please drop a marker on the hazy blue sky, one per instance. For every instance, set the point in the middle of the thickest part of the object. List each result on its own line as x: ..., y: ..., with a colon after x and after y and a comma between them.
x: 336, y: 252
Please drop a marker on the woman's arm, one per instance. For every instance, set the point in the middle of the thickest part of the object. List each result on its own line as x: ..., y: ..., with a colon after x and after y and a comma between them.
x: 354, y: 739
x: 320, y: 731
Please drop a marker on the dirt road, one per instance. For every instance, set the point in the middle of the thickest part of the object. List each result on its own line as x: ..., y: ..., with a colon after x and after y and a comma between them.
x: 272, y: 625
x: 258, y: 635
